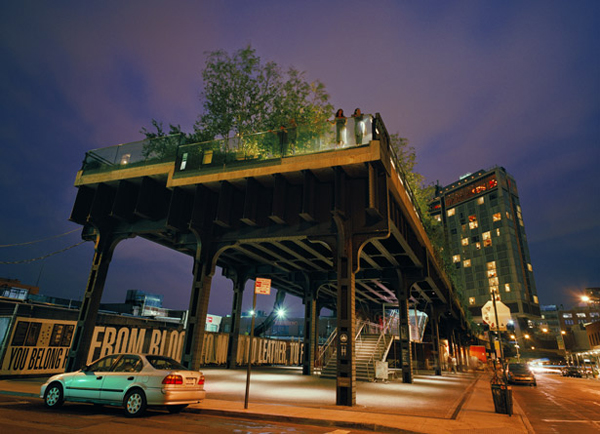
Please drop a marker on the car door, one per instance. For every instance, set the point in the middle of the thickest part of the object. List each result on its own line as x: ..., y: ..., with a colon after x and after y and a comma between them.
x: 86, y: 384
x: 116, y: 382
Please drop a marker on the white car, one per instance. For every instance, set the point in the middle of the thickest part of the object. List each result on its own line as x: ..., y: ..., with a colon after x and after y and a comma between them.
x: 133, y: 381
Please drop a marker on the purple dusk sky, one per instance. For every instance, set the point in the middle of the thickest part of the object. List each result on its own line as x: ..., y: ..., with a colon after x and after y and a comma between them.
x: 471, y: 84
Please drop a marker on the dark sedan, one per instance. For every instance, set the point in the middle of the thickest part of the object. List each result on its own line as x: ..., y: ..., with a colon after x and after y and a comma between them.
x: 519, y: 373
x: 571, y: 371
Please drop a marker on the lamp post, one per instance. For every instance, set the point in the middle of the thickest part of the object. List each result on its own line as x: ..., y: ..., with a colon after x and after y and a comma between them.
x: 514, y: 338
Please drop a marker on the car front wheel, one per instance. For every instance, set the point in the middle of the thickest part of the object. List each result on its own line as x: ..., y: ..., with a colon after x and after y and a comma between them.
x: 135, y: 403
x: 53, y: 397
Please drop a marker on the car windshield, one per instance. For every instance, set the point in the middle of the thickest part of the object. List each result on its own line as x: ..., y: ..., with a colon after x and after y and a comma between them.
x: 165, y: 363
x: 518, y: 368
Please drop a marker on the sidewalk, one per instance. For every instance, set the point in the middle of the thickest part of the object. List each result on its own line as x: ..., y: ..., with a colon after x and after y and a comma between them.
x: 452, y: 403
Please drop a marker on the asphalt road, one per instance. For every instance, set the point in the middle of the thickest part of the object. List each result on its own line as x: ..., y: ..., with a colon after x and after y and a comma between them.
x: 561, y: 404
x: 28, y: 415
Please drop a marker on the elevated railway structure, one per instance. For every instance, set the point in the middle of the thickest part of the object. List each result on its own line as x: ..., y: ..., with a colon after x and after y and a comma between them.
x: 323, y: 211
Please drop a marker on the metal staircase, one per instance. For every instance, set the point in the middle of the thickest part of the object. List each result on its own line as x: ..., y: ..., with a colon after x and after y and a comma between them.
x: 369, y: 349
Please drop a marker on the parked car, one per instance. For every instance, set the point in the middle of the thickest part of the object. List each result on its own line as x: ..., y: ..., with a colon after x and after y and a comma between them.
x: 519, y: 373
x: 133, y: 381
x: 571, y: 371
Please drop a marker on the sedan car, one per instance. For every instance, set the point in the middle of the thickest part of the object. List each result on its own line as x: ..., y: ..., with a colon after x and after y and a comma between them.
x: 519, y: 373
x: 571, y: 371
x: 133, y: 381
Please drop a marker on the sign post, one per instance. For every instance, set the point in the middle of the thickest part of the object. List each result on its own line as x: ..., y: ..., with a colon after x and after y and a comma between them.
x: 261, y: 286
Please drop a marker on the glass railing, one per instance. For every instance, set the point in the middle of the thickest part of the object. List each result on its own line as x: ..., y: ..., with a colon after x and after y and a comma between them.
x: 267, y: 147
x: 134, y: 154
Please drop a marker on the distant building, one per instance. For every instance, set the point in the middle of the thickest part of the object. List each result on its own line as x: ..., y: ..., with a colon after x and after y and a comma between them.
x: 593, y: 333
x: 482, y: 219
x: 14, y: 289
x: 549, y: 319
x: 574, y: 322
x: 593, y: 295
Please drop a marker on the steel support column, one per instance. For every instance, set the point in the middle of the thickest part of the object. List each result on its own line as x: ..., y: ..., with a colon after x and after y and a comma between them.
x: 239, y: 281
x: 194, y: 337
x: 310, y: 320
x: 402, y: 287
x: 105, y: 245
x: 435, y: 339
x: 346, y: 258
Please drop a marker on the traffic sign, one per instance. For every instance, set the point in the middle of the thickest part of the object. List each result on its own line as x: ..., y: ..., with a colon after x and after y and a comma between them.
x: 262, y: 286
x: 488, y: 315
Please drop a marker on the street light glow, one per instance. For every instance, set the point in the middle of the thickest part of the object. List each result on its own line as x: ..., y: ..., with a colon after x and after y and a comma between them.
x: 585, y: 298
x: 280, y: 312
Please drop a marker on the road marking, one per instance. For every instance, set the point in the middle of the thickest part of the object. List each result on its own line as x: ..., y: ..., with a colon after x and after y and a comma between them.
x: 2, y: 404
x: 570, y: 421
x: 338, y: 431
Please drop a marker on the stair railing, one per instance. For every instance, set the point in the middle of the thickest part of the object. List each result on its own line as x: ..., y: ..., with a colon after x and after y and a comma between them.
x: 326, y: 351
x: 381, y: 354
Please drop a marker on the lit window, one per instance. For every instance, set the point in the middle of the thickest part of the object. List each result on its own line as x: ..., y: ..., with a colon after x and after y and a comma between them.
x: 481, y: 200
x: 497, y: 217
x: 507, y: 287
x: 493, y: 289
x: 471, y: 300
x: 491, y: 264
x: 472, y: 218
x: 491, y: 273
x: 438, y: 218
x: 465, y: 241
x: 594, y: 314
x: 494, y: 282
x: 580, y: 315
x: 508, y: 215
x: 486, y: 235
x: 478, y: 246
x: 473, y: 225
x: 467, y: 263
x: 456, y: 258
x: 497, y: 232
x: 487, y: 243
x: 451, y: 212
x: 529, y: 267
x: 567, y: 315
